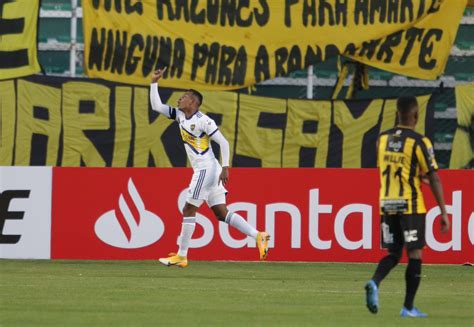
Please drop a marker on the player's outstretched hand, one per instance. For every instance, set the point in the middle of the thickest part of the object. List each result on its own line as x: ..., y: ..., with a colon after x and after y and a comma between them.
x: 157, y: 74
x: 445, y: 223
x: 224, y: 177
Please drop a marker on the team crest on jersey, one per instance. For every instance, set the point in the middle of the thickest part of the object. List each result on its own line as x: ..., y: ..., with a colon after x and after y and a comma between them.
x: 193, y: 126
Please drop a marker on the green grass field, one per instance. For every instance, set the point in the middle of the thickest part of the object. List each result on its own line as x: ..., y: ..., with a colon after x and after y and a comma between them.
x: 139, y: 293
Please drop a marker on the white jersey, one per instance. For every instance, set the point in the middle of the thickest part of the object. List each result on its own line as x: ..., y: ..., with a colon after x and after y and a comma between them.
x: 196, y: 132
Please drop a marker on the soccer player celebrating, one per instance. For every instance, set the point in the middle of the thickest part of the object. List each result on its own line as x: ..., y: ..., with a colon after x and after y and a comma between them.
x: 402, y: 156
x: 209, y: 178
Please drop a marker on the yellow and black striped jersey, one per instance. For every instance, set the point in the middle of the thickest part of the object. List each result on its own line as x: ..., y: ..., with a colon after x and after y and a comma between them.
x: 402, y: 156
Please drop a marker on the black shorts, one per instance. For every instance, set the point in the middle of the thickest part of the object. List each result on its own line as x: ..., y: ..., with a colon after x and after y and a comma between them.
x: 399, y: 230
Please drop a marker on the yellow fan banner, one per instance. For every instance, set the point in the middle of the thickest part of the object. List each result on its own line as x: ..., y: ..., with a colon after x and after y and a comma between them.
x: 18, y: 30
x: 87, y: 122
x: 230, y: 44
x: 463, y: 143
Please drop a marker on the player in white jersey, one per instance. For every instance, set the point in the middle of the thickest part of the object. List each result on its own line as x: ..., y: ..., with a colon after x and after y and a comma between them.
x: 209, y: 178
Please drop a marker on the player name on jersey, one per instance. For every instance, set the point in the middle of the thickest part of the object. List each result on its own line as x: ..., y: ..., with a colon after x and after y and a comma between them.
x: 392, y: 158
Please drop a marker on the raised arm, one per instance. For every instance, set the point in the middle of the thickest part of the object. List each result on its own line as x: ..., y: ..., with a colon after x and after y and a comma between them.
x: 156, y: 103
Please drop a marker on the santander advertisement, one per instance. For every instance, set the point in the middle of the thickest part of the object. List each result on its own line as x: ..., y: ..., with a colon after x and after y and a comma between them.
x: 311, y: 214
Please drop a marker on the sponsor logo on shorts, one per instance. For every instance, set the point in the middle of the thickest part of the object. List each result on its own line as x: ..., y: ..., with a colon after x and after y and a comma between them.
x: 410, y: 236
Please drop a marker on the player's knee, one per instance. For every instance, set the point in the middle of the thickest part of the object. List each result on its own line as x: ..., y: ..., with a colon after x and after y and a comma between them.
x: 415, y: 254
x: 220, y: 211
x: 221, y: 215
x: 189, y: 210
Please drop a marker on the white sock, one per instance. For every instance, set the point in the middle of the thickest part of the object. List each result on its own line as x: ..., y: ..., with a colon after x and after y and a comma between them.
x: 237, y: 221
x: 187, y: 230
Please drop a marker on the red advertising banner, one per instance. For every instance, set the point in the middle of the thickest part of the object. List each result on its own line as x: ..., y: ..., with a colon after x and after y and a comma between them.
x: 311, y: 214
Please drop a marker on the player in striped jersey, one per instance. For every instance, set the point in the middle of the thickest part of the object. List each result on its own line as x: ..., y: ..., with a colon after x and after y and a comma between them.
x: 403, y: 158
x: 209, y: 178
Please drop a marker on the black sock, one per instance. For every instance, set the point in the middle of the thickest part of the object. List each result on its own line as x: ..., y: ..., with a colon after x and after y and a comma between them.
x: 412, y: 277
x: 384, y: 267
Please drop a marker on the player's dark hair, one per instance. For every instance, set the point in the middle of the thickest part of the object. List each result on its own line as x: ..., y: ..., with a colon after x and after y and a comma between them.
x: 406, y: 103
x: 196, y: 94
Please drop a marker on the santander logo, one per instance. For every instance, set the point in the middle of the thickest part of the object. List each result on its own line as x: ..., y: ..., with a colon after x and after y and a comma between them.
x: 132, y: 226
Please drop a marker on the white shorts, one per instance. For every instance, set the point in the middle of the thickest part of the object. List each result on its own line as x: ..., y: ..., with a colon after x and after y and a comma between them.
x: 205, y: 186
